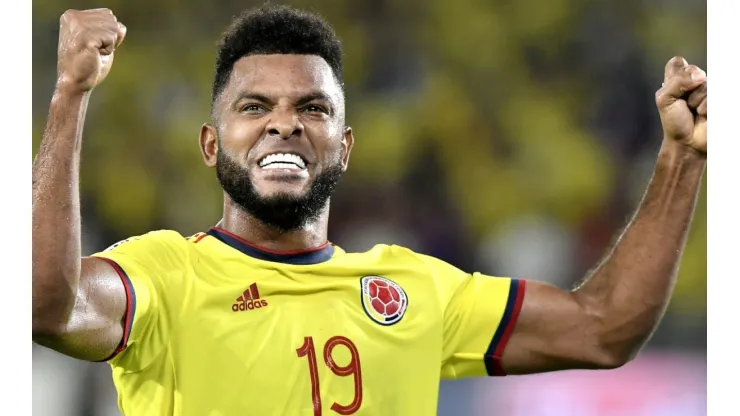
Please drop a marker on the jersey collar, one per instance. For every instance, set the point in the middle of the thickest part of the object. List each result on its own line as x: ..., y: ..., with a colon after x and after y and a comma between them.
x: 301, y: 257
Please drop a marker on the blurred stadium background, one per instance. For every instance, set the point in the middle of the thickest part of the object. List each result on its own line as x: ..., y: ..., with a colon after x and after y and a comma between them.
x: 507, y: 137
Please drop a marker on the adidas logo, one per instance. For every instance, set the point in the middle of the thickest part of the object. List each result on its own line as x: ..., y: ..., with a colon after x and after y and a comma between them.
x: 249, y: 300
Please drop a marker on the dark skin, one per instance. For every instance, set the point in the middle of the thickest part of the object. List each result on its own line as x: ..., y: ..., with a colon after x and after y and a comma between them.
x: 293, y: 103
x: 279, y: 104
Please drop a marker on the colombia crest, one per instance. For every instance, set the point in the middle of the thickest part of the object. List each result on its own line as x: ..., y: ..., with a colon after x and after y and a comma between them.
x: 384, y: 301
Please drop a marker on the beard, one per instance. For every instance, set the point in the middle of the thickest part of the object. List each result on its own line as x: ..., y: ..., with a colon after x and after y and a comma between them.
x: 282, y: 211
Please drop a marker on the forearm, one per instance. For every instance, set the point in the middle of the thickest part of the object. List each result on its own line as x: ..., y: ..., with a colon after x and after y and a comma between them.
x: 56, y: 212
x: 629, y: 292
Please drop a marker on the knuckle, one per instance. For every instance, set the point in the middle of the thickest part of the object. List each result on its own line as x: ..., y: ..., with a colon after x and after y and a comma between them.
x: 677, y: 60
x: 108, y: 13
x: 68, y: 14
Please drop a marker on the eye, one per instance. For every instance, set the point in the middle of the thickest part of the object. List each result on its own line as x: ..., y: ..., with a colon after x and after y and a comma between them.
x: 315, y: 108
x: 251, y: 108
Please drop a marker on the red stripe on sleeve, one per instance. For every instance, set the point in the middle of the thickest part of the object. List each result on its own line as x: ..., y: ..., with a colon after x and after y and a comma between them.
x: 499, y: 352
x: 129, y: 307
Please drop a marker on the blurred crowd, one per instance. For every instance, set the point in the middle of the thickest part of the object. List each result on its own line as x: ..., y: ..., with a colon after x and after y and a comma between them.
x: 513, y: 138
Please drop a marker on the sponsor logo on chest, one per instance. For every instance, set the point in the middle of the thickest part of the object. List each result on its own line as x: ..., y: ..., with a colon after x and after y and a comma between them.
x: 249, y: 300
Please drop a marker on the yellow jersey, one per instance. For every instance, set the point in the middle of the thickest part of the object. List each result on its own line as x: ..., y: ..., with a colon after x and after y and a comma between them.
x: 216, y: 326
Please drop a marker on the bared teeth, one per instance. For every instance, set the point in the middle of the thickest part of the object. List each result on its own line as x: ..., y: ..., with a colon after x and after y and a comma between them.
x: 279, y: 165
x: 290, y: 159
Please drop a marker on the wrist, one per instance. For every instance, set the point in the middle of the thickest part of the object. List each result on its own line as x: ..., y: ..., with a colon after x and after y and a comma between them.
x: 673, y: 151
x: 69, y: 90
x: 67, y: 97
x: 66, y: 117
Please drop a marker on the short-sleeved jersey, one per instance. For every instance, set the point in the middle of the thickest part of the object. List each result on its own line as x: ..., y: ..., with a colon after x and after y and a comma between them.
x: 216, y: 326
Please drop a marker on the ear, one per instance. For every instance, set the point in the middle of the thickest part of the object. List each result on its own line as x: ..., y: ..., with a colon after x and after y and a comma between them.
x: 209, y: 144
x: 348, y: 141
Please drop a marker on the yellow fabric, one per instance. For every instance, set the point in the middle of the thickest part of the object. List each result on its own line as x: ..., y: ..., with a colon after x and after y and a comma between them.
x: 199, y: 346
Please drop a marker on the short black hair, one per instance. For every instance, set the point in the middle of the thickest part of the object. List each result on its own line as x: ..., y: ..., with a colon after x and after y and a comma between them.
x: 273, y: 29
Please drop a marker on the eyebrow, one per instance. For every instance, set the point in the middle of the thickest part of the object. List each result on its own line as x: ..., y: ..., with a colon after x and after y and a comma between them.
x: 252, y: 96
x: 312, y: 96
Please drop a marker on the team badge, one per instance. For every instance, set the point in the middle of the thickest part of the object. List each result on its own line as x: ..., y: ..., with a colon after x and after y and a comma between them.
x: 384, y: 301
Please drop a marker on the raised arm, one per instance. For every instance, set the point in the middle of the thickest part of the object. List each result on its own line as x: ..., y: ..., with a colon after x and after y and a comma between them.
x: 78, y: 304
x: 607, y: 319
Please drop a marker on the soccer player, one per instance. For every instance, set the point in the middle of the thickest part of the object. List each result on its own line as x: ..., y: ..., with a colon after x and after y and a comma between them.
x: 261, y: 315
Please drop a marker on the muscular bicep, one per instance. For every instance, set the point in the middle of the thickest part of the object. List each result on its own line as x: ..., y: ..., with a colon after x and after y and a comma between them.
x: 555, y: 331
x: 95, y: 328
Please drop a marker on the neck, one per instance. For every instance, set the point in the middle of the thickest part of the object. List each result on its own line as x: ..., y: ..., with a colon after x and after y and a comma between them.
x: 240, y: 223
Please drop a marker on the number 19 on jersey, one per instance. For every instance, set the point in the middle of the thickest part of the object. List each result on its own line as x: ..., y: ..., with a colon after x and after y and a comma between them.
x: 308, y: 350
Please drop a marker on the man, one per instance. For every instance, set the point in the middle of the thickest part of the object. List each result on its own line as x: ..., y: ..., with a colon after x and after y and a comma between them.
x: 261, y: 314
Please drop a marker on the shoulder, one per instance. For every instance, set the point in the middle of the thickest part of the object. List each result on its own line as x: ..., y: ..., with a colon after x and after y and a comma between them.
x: 166, y: 247
x: 157, y: 238
x: 386, y: 253
x: 424, y: 262
x: 401, y: 257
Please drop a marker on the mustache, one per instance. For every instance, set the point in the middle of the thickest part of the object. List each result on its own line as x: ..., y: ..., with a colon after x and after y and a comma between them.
x: 284, y: 212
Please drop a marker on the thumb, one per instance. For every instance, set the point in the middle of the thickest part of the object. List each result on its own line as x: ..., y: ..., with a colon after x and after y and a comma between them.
x: 676, y: 87
x: 674, y: 67
x: 121, y: 33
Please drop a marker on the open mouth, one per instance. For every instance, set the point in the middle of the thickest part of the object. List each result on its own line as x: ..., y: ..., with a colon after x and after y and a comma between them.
x: 282, y: 161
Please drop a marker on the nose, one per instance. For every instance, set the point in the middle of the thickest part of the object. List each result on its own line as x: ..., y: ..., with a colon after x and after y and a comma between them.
x: 284, y: 124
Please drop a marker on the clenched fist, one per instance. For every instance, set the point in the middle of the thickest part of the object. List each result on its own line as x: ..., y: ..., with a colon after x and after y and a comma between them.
x: 682, y: 103
x: 87, y: 40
